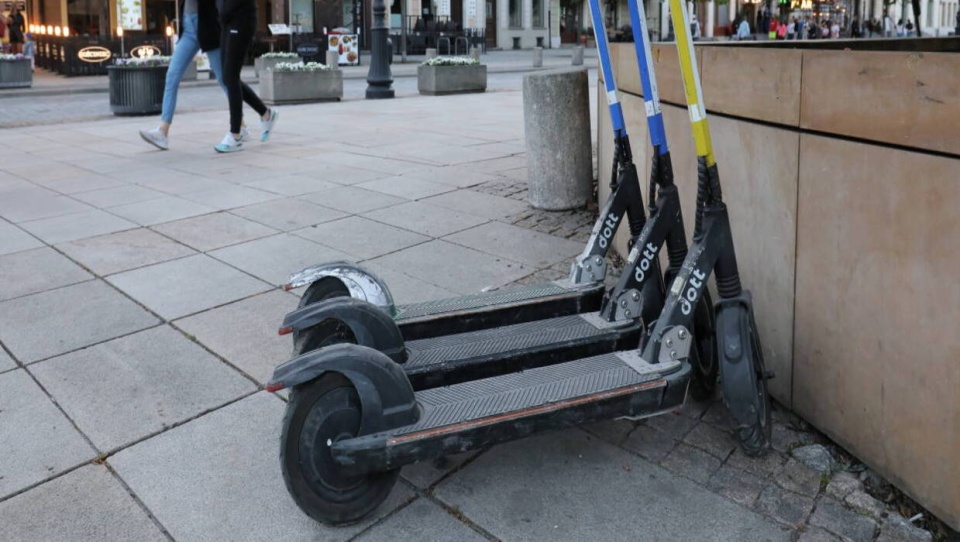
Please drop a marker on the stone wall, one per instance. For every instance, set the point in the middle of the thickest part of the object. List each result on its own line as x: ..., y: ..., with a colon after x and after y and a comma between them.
x: 840, y: 171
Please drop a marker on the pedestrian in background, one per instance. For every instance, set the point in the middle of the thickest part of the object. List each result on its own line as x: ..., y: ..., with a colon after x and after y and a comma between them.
x: 835, y: 29
x: 16, y: 27
x: 238, y: 21
x: 29, y: 49
x: 792, y: 29
x: 743, y: 31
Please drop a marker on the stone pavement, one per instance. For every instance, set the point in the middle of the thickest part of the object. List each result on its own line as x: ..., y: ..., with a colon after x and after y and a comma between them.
x: 139, y: 304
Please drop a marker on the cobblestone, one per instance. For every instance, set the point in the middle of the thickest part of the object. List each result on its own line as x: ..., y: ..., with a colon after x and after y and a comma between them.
x: 839, y: 520
x: 784, y: 506
x: 897, y: 529
x: 736, y: 485
x: 798, y: 478
x: 695, y: 464
x: 843, y: 484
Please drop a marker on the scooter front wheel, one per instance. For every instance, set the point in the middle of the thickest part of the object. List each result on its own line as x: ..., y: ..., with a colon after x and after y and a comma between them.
x: 705, y: 364
x: 319, y: 413
x: 755, y: 439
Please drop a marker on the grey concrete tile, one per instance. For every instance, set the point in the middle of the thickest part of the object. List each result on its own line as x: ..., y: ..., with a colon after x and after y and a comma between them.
x: 737, y: 485
x: 479, y: 204
x: 33, y: 271
x: 215, y: 230
x: 454, y: 267
x: 421, y: 520
x: 184, y: 479
x: 86, y: 505
x: 14, y: 239
x: 361, y: 237
x: 37, y: 203
x: 518, y: 244
x: 160, y: 210
x: 6, y: 362
x: 118, y: 195
x: 719, y: 444
x: 842, y: 521
x: 274, y: 259
x: 784, y: 506
x: 179, y: 183
x: 541, y: 486
x: 816, y: 534
x: 36, y: 440
x: 292, y: 185
x: 104, y: 388
x: 426, y: 219
x: 60, y: 229
x: 75, y: 184
x: 245, y: 332
x: 459, y: 176
x: 612, y: 431
x: 185, y: 286
x: 350, y: 199
x: 407, y: 289
x: 651, y: 444
x: 410, y: 188
x: 764, y: 467
x: 695, y: 464
x: 58, y: 321
x: 107, y: 254
x: 506, y: 163
x: 427, y: 473
x: 673, y: 424
x: 288, y: 214
x: 230, y: 197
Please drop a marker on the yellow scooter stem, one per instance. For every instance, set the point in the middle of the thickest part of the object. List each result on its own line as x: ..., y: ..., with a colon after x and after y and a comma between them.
x: 691, y: 80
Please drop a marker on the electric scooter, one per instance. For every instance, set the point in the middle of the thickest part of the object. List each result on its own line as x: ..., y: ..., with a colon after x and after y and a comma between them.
x: 354, y: 416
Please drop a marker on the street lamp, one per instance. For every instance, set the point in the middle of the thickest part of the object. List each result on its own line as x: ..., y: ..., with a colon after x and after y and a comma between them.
x: 379, y: 79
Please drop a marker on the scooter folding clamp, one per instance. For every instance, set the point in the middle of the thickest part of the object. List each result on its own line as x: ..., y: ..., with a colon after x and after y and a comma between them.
x: 589, y: 270
x: 675, y: 344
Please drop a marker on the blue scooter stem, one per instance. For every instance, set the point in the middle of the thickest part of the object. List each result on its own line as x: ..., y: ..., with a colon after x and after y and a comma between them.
x: 648, y: 79
x: 603, y: 50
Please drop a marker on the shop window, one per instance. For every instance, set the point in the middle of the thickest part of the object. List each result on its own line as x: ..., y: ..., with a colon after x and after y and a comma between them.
x: 516, y: 14
x: 538, y: 14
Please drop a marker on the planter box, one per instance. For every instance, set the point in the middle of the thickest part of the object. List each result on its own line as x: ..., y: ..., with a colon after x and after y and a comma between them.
x: 439, y: 80
x: 136, y: 91
x: 300, y: 86
x: 16, y: 73
x: 261, y: 65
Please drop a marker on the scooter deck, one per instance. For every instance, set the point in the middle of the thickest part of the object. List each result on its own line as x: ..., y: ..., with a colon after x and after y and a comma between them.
x: 450, y: 359
x: 482, y: 412
x: 496, y: 308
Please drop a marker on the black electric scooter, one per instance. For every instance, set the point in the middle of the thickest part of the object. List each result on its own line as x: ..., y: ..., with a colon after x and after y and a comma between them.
x: 353, y: 417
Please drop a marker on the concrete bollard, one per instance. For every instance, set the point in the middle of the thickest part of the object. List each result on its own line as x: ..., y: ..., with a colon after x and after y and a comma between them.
x: 333, y: 60
x: 538, y: 57
x: 475, y: 53
x: 431, y: 53
x: 578, y: 55
x: 556, y: 120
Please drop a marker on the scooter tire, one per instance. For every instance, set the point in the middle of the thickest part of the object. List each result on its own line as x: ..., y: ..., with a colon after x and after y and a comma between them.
x: 327, y: 410
x: 323, y: 334
x: 321, y: 290
x: 706, y: 365
x: 755, y: 439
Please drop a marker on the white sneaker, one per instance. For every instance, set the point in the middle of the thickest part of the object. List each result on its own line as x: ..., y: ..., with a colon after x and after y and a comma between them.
x: 245, y: 134
x: 267, y: 125
x: 156, y: 138
x: 229, y: 144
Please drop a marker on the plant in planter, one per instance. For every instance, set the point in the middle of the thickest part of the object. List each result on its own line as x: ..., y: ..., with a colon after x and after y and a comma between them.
x: 451, y: 75
x: 15, y: 71
x: 267, y: 61
x: 136, y: 85
x: 289, y: 82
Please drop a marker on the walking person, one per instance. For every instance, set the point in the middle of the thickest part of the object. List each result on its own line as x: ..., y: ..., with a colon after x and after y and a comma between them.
x: 743, y: 31
x: 17, y: 28
x: 238, y: 21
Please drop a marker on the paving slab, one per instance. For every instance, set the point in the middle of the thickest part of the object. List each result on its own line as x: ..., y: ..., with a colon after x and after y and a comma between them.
x: 542, y: 488
x: 14, y: 239
x: 218, y: 478
x: 840, y: 520
x: 459, y: 176
x: 426, y: 219
x: 427, y: 473
x: 185, y: 286
x: 410, y: 188
x: 160, y: 210
x: 691, y: 462
x: 230, y: 197
x: 245, y: 332
x: 37, y: 270
x: 784, y: 506
x: 6, y: 362
x: 42, y: 325
x: 405, y: 288
x: 60, y: 229
x: 518, y: 244
x: 118, y: 195
x: 351, y: 199
x: 104, y: 388
x: 274, y: 259
x: 737, y: 485
x: 719, y: 444
x: 292, y: 185
x: 765, y: 466
x: 74, y: 184
x: 115, y: 252
x: 479, y: 204
x: 289, y: 213
x: 361, y: 237
x: 650, y: 443
x: 86, y: 505
x: 612, y: 431
x: 36, y: 203
x: 177, y: 183
x: 421, y: 520
x: 674, y: 424
x: 36, y: 440
x: 215, y: 230
x: 453, y: 267
x: 799, y: 478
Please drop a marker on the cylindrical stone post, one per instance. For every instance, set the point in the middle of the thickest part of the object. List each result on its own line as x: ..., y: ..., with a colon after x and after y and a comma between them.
x: 556, y: 119
x: 431, y: 53
x: 475, y: 53
x: 578, y: 55
x: 333, y: 60
x: 538, y: 57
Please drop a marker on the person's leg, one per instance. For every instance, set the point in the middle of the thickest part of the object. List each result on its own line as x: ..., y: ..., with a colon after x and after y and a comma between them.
x: 183, y: 54
x: 232, y: 50
x: 213, y: 56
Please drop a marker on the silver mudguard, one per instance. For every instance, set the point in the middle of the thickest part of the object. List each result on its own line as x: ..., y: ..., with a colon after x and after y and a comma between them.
x: 361, y: 283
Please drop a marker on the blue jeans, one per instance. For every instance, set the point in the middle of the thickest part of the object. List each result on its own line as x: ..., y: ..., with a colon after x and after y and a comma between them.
x: 187, y: 48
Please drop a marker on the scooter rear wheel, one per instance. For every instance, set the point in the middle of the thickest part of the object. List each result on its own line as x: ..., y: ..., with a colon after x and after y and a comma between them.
x: 323, y: 289
x: 755, y: 439
x: 705, y: 365
x: 323, y: 334
x: 320, y: 412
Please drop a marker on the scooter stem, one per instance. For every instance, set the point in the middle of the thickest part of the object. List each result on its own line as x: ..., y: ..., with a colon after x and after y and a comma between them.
x: 648, y: 78
x: 691, y: 82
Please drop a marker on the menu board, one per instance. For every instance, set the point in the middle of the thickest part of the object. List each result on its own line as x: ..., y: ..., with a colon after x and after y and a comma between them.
x: 347, y: 46
x: 131, y: 14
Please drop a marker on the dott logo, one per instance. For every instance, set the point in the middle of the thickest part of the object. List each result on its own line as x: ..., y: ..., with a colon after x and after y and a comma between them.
x: 94, y: 54
x: 145, y: 51
x: 693, y: 291
x: 649, y: 253
x: 609, y: 226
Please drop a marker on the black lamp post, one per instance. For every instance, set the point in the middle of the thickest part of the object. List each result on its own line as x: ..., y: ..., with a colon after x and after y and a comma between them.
x: 379, y: 79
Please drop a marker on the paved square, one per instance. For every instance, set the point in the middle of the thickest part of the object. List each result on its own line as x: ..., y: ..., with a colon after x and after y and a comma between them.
x: 188, y: 285
x: 406, y: 187
x: 42, y: 325
x: 14, y: 239
x: 36, y: 440
x: 230, y: 197
x: 518, y: 244
x: 60, y: 229
x: 37, y: 270
x: 118, y: 195
x: 6, y: 362
x: 36, y: 203
x: 274, y: 259
x: 160, y: 210
x: 421, y: 520
x: 361, y: 237
x: 108, y: 254
x: 292, y: 185
x: 478, y: 204
x: 215, y: 230
x: 102, y: 388
x: 288, y: 214
x: 426, y: 219
x: 351, y: 199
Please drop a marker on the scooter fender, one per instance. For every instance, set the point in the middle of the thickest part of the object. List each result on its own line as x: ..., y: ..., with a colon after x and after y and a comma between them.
x: 386, y: 397
x: 738, y: 378
x: 370, y: 326
x: 361, y: 283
